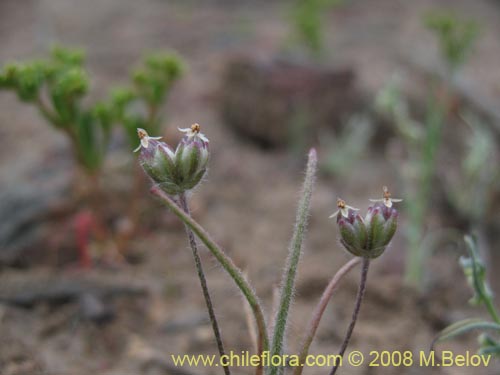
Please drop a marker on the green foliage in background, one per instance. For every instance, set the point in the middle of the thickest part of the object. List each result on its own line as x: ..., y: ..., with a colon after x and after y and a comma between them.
x: 308, y: 23
x: 475, y: 271
x: 58, y: 87
x: 138, y: 106
x: 471, y: 193
x: 422, y: 141
x: 456, y: 36
x: 344, y: 150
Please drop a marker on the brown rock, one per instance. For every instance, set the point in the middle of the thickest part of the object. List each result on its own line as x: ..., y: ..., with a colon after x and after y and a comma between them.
x: 267, y: 101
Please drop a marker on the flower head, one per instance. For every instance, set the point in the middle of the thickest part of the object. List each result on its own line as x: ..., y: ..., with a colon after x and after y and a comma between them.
x: 192, y: 154
x: 368, y: 237
x: 174, y: 171
x: 386, y: 198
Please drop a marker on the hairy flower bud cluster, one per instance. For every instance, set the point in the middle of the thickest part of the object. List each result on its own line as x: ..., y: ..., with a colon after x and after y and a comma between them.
x: 179, y: 170
x: 368, y: 237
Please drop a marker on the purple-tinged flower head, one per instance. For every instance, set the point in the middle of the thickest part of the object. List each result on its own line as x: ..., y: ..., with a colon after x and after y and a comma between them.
x: 351, y: 227
x: 175, y: 171
x: 192, y: 154
x: 381, y: 224
x: 156, y: 158
x: 370, y: 236
x: 386, y: 216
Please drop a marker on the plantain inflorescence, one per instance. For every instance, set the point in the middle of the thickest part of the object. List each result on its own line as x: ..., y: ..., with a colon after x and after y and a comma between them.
x: 175, y: 171
x: 368, y: 237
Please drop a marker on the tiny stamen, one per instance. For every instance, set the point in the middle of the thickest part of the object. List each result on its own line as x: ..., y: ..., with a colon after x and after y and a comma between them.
x: 195, y: 128
x: 141, y: 133
x: 340, y: 203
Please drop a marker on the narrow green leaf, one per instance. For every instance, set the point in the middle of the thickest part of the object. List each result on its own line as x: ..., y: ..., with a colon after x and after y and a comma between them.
x: 464, y: 326
x: 295, y: 249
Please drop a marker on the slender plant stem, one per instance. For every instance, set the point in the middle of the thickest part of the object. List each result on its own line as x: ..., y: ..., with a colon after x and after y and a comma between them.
x: 480, y: 286
x: 355, y: 313
x: 491, y: 309
x: 227, y: 264
x: 290, y: 272
x: 134, y: 211
x: 95, y: 199
x: 46, y: 111
x: 320, y: 309
x: 203, y: 282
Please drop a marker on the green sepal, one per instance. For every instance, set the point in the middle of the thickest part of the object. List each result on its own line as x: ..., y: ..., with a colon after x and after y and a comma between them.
x: 390, y: 228
x: 376, y: 231
x: 348, y: 235
x: 360, y: 231
x: 192, y: 161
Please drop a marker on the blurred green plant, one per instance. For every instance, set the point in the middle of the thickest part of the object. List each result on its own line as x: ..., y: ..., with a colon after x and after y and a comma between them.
x: 422, y: 141
x: 347, y: 148
x: 308, y: 24
x: 475, y: 271
x: 470, y: 193
x: 456, y: 36
x: 57, y: 87
x: 138, y: 106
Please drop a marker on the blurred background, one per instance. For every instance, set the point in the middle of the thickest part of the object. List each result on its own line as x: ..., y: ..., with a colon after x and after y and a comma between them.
x: 96, y: 276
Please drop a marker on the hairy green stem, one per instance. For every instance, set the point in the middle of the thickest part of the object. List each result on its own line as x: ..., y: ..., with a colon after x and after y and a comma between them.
x: 355, y: 313
x: 203, y: 282
x: 320, y: 309
x: 227, y: 264
x: 294, y: 251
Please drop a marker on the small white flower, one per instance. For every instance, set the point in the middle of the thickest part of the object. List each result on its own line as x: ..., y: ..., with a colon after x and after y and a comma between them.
x: 144, y: 137
x: 343, y: 209
x: 387, y: 200
x: 194, y: 131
